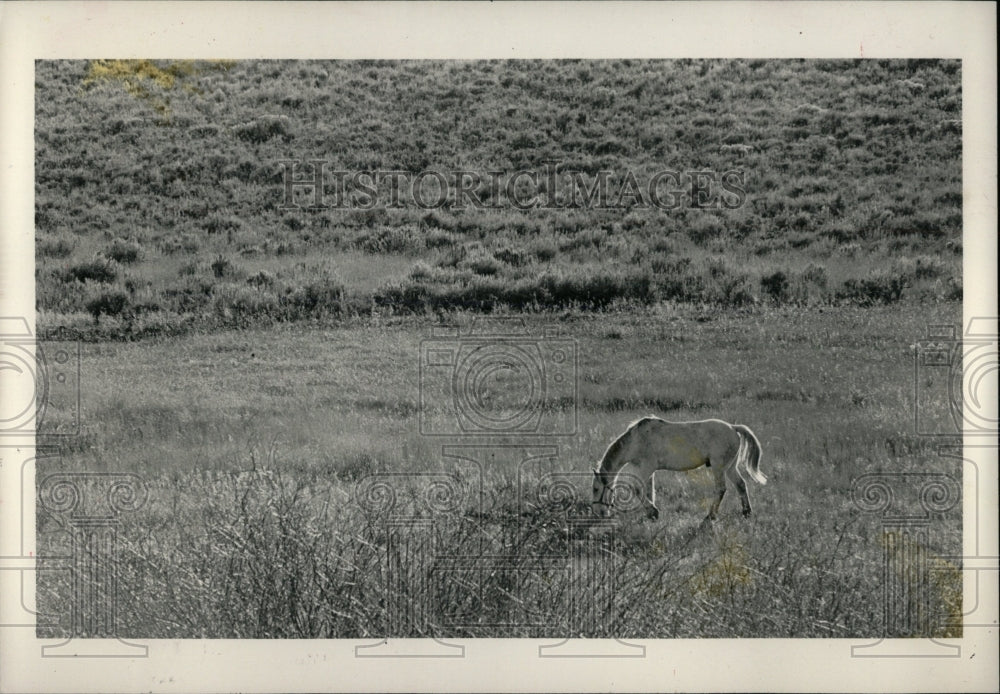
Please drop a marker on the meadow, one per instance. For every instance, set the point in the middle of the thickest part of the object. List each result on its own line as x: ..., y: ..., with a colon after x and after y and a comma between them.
x: 259, y: 448
x: 258, y: 360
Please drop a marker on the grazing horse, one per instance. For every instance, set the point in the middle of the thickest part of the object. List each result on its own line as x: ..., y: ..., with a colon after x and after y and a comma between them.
x: 650, y: 444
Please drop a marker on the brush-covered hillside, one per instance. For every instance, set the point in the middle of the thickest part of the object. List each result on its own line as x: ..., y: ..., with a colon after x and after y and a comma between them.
x: 161, y: 187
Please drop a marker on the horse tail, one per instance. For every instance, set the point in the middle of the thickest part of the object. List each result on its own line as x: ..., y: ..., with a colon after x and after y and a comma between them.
x: 750, y: 452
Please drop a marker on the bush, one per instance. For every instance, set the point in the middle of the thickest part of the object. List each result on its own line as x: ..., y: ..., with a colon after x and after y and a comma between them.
x: 435, y: 219
x: 876, y: 289
x: 262, y: 280
x: 54, y: 248
x: 582, y: 288
x: 514, y: 257
x: 815, y: 274
x: 390, y: 240
x: 221, y: 267
x: 543, y: 249
x: 124, y: 251
x: 175, y: 244
x: 483, y: 265
x: 100, y: 269
x: 217, y: 224
x: 775, y: 286
x: 263, y: 129
x: 241, y: 306
x: 705, y: 229
x: 317, y: 298
x: 110, y: 303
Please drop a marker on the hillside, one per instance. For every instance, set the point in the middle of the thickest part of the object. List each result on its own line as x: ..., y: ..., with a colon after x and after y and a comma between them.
x: 160, y: 187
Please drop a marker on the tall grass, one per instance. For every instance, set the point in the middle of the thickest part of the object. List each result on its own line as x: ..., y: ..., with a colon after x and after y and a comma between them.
x: 238, y: 543
x: 266, y: 554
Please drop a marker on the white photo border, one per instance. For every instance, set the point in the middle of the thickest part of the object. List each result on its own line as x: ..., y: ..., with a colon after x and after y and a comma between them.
x: 289, y: 30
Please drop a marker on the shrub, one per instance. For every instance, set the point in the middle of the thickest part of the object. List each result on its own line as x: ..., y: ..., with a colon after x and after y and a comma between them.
x: 435, y: 219
x: 705, y: 229
x: 875, y: 289
x: 263, y: 128
x: 174, y: 244
x: 928, y: 267
x: 124, y: 251
x: 54, y: 248
x: 815, y: 274
x: 511, y: 256
x: 218, y: 224
x: 221, y: 267
x: 581, y: 288
x: 483, y: 265
x: 188, y: 269
x: 438, y: 239
x: 421, y: 271
x: 100, y: 269
x: 390, y: 240
x: 543, y: 249
x: 369, y: 217
x: 732, y: 291
x: 192, y: 295
x: 317, y: 298
x: 240, y: 305
x: 110, y: 303
x: 775, y: 286
x: 262, y: 279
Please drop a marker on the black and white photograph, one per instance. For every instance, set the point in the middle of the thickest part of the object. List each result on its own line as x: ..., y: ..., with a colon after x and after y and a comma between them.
x: 408, y: 358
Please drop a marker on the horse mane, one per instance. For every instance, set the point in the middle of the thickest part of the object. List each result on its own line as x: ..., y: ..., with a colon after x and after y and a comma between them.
x: 618, y: 444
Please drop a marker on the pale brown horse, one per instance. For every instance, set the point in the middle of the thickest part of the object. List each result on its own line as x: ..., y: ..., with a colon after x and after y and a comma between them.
x: 650, y: 444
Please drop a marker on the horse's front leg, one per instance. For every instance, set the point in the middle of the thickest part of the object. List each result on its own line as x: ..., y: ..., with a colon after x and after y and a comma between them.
x: 651, y: 511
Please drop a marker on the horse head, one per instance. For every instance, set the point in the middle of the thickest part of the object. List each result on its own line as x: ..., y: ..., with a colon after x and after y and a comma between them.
x: 600, y: 503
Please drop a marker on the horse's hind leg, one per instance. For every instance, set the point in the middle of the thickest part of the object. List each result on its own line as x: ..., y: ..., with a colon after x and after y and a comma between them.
x: 741, y: 487
x: 720, y: 491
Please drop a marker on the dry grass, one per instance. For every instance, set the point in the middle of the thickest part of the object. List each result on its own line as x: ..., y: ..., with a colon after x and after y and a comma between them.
x: 254, y: 445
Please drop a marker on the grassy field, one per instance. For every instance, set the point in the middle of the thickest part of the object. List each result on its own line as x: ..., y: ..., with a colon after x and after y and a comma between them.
x: 258, y: 448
